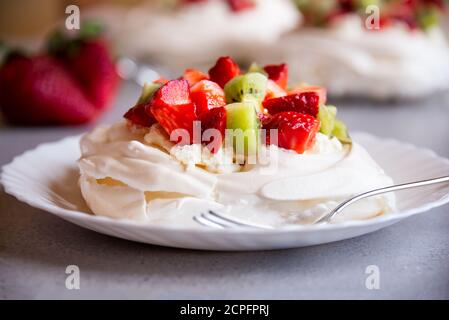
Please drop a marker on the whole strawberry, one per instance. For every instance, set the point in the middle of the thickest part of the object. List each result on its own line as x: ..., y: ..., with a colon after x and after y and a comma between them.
x: 40, y: 91
x: 88, y: 58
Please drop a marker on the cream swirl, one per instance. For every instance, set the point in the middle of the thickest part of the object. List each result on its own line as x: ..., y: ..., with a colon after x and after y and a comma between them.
x: 140, y: 175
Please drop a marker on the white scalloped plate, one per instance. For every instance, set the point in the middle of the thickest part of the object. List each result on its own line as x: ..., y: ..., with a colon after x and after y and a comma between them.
x: 46, y: 178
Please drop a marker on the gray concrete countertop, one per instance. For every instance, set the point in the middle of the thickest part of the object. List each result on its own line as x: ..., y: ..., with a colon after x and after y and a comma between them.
x: 412, y: 256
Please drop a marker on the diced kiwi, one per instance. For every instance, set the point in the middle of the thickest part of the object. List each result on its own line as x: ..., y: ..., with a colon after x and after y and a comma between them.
x: 340, y: 131
x: 149, y: 88
x: 242, y: 119
x: 327, y: 116
x: 249, y: 87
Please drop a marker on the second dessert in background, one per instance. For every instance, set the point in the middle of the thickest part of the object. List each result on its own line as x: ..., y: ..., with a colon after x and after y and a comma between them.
x: 183, y: 33
x: 344, y: 47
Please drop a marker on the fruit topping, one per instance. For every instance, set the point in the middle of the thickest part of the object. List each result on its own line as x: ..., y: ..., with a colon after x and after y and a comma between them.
x: 139, y: 116
x: 213, y: 119
x: 331, y: 126
x: 207, y: 95
x: 414, y: 14
x: 296, y: 131
x: 248, y: 87
x: 236, y: 113
x: 193, y: 76
x: 278, y: 73
x: 224, y: 70
x: 147, y: 91
x: 341, y: 132
x: 173, y: 108
x: 243, y: 120
x: 307, y: 102
x: 327, y: 116
x: 306, y: 88
x: 274, y: 91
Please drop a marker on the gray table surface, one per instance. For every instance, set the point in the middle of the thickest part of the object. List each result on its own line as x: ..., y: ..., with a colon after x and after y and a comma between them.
x: 412, y: 256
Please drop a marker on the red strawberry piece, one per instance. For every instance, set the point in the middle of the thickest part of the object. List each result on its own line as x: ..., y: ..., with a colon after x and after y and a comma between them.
x: 213, y: 119
x: 296, y: 131
x: 173, y: 108
x: 193, y: 76
x: 224, y: 70
x: 241, y: 5
x: 40, y: 91
x: 278, y: 73
x: 264, y: 118
x: 207, y: 95
x: 306, y: 102
x: 91, y: 63
x: 321, y: 91
x: 161, y: 80
x: 140, y: 116
x: 274, y: 91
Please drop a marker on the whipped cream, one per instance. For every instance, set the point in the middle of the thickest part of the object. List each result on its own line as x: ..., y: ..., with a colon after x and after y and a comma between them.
x: 347, y: 59
x: 191, y: 34
x: 140, y: 175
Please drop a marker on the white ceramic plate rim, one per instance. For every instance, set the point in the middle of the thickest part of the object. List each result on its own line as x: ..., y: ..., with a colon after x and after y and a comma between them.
x: 74, y: 214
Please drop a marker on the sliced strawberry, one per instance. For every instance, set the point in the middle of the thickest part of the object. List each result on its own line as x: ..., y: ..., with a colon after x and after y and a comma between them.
x: 321, y: 91
x: 173, y: 108
x: 296, y: 131
x: 307, y: 102
x: 213, y: 119
x: 207, y: 95
x: 40, y: 91
x: 241, y: 5
x: 193, y: 76
x: 224, y: 70
x: 139, y: 116
x: 278, y: 73
x: 274, y: 90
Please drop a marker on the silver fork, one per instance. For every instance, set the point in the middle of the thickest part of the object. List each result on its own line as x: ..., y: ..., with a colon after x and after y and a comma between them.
x: 218, y: 220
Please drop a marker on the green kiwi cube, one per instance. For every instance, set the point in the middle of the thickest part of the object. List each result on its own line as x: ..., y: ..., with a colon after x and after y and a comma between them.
x: 244, y: 124
x: 248, y: 87
x: 340, y: 131
x: 149, y: 88
x: 327, y: 116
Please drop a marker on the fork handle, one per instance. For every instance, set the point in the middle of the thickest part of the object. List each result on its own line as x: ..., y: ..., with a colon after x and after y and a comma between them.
x: 343, y: 205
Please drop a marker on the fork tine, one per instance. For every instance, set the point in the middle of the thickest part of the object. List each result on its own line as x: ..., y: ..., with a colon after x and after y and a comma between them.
x: 234, y: 222
x: 220, y: 220
x: 215, y: 220
x: 237, y: 223
x: 206, y: 222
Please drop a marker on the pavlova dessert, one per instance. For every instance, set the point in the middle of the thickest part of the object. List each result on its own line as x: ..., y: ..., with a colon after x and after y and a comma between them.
x: 181, y: 33
x: 242, y: 143
x: 378, y: 48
